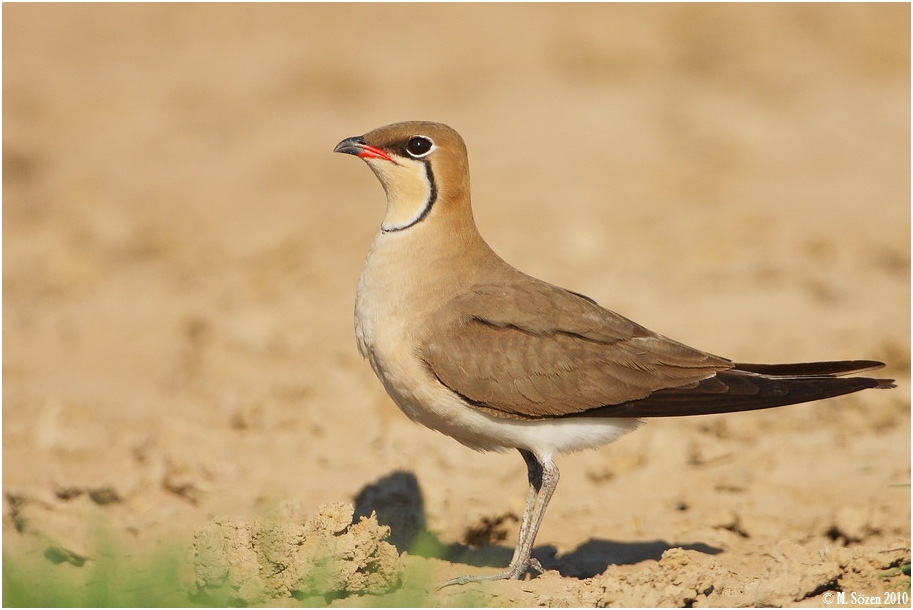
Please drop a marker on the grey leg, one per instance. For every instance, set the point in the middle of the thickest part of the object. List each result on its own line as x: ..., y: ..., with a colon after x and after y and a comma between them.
x: 543, y: 479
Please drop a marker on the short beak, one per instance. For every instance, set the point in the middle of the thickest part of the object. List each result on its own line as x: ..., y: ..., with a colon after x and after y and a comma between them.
x: 357, y: 146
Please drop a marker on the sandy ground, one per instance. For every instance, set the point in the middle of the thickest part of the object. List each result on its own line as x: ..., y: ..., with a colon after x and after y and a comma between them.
x: 180, y: 252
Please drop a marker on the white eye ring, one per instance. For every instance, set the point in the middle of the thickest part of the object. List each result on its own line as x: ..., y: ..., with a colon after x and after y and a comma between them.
x: 416, y: 146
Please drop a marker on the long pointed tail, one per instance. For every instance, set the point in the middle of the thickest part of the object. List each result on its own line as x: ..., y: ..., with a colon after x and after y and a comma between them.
x: 836, y: 368
x: 748, y: 387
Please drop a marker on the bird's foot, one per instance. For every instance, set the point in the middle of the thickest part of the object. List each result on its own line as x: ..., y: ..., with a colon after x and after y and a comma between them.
x: 513, y: 572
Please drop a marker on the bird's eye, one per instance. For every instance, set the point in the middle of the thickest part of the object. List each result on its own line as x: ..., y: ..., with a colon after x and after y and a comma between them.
x: 419, y: 146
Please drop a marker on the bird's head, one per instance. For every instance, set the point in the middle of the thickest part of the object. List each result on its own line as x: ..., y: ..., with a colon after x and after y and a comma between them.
x: 421, y: 165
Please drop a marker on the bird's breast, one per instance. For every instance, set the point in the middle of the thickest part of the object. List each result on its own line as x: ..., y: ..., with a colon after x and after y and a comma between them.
x: 399, y: 291
x: 406, y: 278
x: 394, y: 303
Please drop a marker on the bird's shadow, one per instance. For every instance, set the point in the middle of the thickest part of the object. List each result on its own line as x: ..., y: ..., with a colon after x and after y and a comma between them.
x: 397, y: 501
x: 586, y: 561
x: 594, y: 556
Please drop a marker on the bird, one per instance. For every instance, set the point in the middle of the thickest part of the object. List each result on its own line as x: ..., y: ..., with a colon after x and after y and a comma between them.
x: 469, y: 346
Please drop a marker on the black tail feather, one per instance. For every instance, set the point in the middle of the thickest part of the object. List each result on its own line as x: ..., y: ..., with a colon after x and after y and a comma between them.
x: 808, y: 369
x: 748, y: 387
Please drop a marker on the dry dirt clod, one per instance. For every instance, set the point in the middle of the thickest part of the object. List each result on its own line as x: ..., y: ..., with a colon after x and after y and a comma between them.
x: 267, y: 559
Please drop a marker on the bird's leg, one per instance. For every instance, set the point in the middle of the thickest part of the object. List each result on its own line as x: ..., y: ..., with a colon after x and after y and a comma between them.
x: 543, y: 479
x: 534, y: 476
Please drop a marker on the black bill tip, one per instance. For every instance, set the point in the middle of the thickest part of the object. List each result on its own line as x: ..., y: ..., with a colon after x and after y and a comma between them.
x: 351, y: 146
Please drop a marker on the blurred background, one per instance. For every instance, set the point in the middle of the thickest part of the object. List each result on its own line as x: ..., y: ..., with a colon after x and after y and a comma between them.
x: 181, y: 246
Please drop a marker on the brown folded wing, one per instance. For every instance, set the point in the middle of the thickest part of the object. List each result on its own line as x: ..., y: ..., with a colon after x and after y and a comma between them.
x: 528, y: 349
